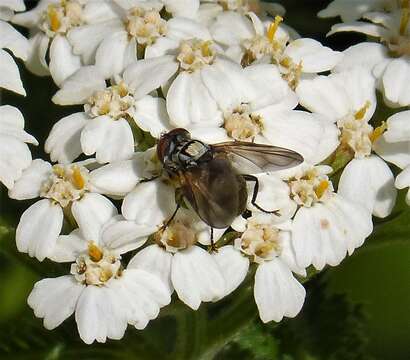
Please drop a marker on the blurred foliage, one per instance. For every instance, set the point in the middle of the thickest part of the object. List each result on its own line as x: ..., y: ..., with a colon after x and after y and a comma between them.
x: 359, y: 310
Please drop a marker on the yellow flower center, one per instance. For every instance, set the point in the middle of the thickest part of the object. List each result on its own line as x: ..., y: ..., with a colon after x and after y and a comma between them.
x: 97, y: 266
x: 65, y: 184
x: 194, y: 54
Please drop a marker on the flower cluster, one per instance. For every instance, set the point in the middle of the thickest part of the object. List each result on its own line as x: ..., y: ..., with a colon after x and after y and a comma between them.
x: 227, y: 71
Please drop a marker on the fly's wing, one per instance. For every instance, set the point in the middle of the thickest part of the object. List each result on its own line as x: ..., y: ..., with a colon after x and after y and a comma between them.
x: 215, y: 191
x: 250, y: 158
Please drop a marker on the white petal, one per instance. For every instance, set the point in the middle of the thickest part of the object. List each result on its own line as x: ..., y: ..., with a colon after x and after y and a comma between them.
x: 12, y: 124
x: 396, y: 80
x: 355, y: 221
x: 362, y: 27
x: 80, y: 86
x: 145, y: 294
x: 117, y: 144
x: 38, y: 229
x: 398, y: 127
x: 228, y: 84
x: 397, y: 153
x: 196, y: 277
x: 188, y: 101
x: 28, y: 186
x: 370, y: 182
x: 10, y: 78
x: 161, y: 198
x: 271, y: 88
x: 63, y: 143
x: 68, y: 247
x: 45, y: 299
x: 349, y: 10
x: 147, y: 75
x: 91, y: 213
x: 118, y: 178
x: 85, y: 39
x: 11, y: 39
x: 231, y: 28
x: 277, y: 293
x: 117, y: 43
x: 36, y: 60
x: 403, y: 179
x: 124, y: 236
x: 313, y: 55
x: 183, y: 29
x: 183, y: 8
x: 300, y: 131
x: 338, y: 95
x: 156, y: 261
x: 99, y: 315
x: 233, y: 265
x: 63, y: 63
x: 93, y: 134
x: 353, y: 56
x: 162, y: 46
x: 151, y: 115
x: 317, y: 237
x: 15, y: 156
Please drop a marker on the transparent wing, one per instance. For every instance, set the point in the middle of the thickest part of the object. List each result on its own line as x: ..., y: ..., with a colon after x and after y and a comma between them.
x: 250, y: 158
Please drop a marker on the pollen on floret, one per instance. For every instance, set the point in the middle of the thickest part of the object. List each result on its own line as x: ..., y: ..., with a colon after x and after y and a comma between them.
x: 97, y: 266
x: 273, y: 27
x: 377, y: 132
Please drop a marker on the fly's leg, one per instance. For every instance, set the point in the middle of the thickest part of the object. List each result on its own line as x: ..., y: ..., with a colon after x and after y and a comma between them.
x: 213, y: 247
x: 255, y: 194
x: 171, y: 218
x: 150, y: 179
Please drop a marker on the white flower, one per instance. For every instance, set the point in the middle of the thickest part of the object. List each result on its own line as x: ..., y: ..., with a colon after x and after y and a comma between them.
x: 350, y: 10
x: 110, y: 112
x: 210, y: 9
x: 180, y: 262
x: 201, y: 81
x: 50, y: 23
x: 15, y: 156
x: 268, y: 117
x: 104, y: 296
x: 394, y: 147
x: 65, y: 191
x: 327, y: 226
x: 389, y: 62
x: 277, y: 293
x: 12, y: 40
x: 138, y: 23
x: 348, y: 98
x: 249, y: 40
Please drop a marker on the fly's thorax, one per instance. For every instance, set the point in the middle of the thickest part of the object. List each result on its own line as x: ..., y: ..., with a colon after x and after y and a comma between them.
x: 178, y: 151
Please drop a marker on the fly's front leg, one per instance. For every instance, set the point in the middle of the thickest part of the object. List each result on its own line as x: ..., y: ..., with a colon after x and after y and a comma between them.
x: 255, y: 195
x: 171, y: 218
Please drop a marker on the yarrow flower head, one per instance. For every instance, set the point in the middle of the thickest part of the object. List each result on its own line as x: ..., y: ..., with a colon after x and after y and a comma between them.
x: 104, y: 295
x: 252, y: 41
x: 349, y: 99
x: 213, y: 146
x: 387, y: 21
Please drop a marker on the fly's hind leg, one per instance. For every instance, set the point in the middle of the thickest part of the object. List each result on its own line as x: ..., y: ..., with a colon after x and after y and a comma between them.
x: 255, y: 195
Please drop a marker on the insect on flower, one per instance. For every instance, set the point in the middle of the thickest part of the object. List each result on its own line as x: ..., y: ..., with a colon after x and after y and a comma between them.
x: 212, y: 178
